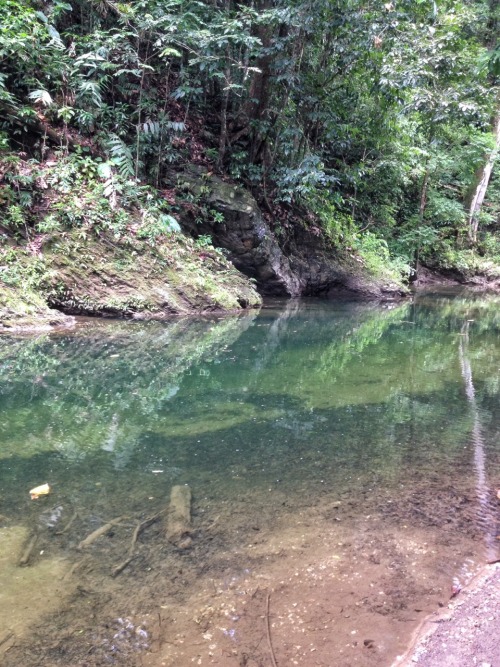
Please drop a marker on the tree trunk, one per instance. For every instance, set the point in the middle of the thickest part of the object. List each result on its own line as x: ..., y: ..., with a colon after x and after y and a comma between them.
x: 423, y: 195
x: 481, y: 181
x: 479, y: 187
x: 421, y: 211
x: 223, y: 113
x: 256, y: 107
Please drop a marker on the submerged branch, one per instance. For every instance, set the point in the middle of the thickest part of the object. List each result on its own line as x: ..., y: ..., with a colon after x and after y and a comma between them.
x: 138, y: 530
x: 99, y: 532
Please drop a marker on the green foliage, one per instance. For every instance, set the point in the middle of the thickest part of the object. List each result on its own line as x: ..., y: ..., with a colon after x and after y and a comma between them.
x: 376, y: 256
x: 370, y: 117
x: 338, y: 225
x: 84, y: 194
x: 489, y: 245
x: 308, y: 178
x: 48, y: 224
x: 18, y: 269
x: 415, y: 240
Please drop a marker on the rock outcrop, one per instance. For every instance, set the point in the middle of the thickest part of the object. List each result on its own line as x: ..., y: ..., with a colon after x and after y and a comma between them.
x: 244, y: 232
x: 299, y: 263
x: 100, y: 276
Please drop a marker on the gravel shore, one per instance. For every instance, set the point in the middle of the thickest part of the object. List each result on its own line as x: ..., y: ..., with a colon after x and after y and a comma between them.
x: 466, y: 633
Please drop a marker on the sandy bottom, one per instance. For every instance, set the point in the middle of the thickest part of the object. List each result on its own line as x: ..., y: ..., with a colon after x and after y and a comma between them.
x: 27, y: 594
x: 255, y: 586
x: 344, y: 597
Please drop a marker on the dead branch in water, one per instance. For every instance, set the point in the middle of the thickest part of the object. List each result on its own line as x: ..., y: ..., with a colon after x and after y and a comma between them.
x: 99, y: 532
x: 74, y: 568
x: 26, y: 555
x: 138, y: 530
x: 68, y: 525
x: 268, y: 627
x: 119, y: 568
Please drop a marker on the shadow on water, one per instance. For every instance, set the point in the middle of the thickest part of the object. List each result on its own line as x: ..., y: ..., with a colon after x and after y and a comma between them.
x: 343, y: 462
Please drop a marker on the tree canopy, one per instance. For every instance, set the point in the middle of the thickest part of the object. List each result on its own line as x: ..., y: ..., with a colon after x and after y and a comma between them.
x: 379, y: 120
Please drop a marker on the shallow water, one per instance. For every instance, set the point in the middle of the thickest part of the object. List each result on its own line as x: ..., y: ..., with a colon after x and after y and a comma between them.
x: 343, y: 460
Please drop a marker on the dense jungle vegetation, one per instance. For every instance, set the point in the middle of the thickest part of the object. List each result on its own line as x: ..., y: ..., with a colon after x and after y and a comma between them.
x: 378, y: 124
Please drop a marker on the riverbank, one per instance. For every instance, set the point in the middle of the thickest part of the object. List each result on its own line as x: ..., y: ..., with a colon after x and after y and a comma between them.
x: 466, y: 632
x: 67, y: 274
x: 88, y: 242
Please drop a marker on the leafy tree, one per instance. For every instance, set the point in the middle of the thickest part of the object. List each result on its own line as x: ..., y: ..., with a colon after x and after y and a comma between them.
x: 378, y: 121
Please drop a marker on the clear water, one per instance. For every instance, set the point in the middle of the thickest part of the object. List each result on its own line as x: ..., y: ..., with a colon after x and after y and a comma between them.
x: 343, y: 459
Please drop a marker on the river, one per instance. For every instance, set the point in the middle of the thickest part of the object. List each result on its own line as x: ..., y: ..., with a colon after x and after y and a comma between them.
x: 343, y: 460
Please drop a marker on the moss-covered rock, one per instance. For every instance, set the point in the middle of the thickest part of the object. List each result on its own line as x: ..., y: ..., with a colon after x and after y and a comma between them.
x: 25, y: 309
x: 132, y: 278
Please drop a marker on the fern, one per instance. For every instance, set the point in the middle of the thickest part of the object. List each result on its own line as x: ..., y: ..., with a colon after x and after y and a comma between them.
x: 41, y: 96
x: 176, y: 126
x: 5, y: 95
x: 25, y: 198
x: 151, y: 127
x: 90, y: 91
x: 121, y: 156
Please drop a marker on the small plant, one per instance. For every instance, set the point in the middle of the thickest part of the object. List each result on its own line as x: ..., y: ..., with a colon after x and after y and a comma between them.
x: 50, y: 223
x: 19, y: 269
x: 15, y: 217
x: 216, y: 216
x: 203, y: 241
x: 4, y: 142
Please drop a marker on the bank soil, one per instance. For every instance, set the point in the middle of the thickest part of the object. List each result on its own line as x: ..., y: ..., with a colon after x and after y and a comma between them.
x: 335, y: 582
